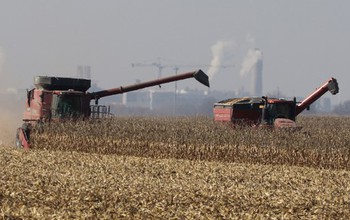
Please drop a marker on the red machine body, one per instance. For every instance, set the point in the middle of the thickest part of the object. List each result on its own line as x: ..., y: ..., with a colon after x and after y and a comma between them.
x: 59, y: 99
x: 44, y: 105
x: 264, y: 111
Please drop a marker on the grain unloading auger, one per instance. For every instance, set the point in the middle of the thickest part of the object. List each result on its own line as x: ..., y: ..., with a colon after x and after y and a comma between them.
x: 59, y: 98
x: 270, y: 112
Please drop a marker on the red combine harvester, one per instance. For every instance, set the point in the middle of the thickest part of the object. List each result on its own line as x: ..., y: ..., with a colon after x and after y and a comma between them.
x: 58, y: 99
x: 270, y: 112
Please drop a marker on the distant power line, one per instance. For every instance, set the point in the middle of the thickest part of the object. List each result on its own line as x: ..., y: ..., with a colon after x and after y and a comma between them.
x: 176, y: 67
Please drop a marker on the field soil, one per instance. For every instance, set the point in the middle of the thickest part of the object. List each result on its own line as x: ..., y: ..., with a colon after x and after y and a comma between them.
x: 178, y: 168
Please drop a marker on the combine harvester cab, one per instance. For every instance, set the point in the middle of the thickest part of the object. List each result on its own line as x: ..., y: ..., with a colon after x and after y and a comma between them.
x: 57, y: 99
x: 268, y: 112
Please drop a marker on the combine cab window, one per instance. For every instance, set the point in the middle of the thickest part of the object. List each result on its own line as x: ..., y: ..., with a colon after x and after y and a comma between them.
x: 279, y: 110
x: 67, y: 106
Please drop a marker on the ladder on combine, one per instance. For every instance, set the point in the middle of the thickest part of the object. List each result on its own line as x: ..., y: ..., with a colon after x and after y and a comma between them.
x: 100, y: 111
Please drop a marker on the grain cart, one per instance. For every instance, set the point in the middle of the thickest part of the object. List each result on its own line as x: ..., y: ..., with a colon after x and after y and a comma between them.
x: 56, y: 99
x: 269, y: 112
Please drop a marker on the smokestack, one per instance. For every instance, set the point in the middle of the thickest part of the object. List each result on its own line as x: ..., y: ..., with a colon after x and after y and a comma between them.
x: 253, y: 66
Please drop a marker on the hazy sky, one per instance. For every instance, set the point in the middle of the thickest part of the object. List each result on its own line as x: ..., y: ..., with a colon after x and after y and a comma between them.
x: 304, y: 42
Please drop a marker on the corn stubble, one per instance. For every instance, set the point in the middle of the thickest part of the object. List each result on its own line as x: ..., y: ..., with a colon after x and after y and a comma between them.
x: 322, y: 143
x: 179, y: 168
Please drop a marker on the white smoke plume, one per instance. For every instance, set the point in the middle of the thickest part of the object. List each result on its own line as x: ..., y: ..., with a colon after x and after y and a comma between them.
x: 250, y: 39
x: 222, y: 51
x: 250, y: 61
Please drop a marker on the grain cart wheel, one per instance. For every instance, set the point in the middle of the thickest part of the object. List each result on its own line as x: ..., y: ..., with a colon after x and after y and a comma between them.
x: 22, y: 136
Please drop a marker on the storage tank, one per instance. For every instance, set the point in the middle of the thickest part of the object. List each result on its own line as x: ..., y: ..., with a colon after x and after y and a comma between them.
x: 61, y: 83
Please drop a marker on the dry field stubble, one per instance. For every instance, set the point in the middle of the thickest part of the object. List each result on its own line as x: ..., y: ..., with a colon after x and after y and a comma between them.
x: 179, y: 168
x: 324, y: 142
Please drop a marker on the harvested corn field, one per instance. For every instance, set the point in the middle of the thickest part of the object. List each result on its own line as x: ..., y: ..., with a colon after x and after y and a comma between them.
x: 179, y: 168
x: 323, y: 142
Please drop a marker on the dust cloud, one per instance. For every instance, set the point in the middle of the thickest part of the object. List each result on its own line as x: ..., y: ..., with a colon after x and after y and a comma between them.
x: 10, y: 106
